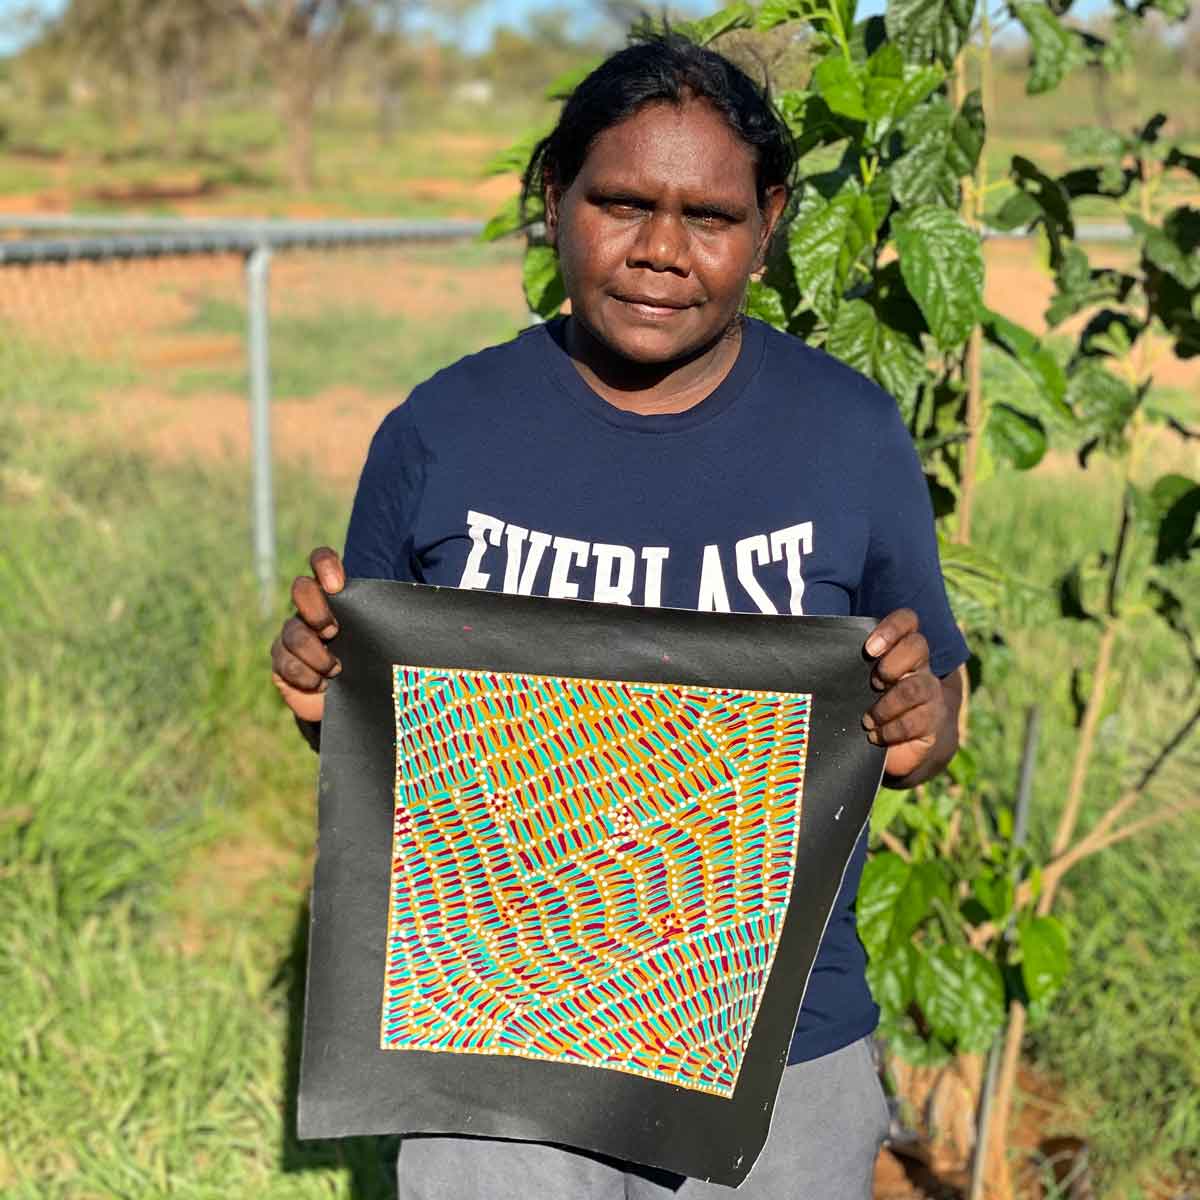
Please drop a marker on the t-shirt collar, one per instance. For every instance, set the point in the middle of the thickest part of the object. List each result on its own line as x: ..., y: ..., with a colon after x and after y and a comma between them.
x: 716, y: 402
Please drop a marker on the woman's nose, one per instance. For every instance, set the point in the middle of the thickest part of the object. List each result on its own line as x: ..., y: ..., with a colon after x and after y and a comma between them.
x: 661, y: 245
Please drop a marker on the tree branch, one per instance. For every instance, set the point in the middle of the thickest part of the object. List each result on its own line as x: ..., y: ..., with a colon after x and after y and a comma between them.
x: 1087, y: 736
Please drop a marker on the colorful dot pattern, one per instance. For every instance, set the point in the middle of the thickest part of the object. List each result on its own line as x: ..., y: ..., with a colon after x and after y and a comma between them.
x: 589, y: 872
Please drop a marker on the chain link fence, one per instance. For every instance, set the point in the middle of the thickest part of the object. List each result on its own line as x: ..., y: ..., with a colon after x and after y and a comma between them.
x: 228, y: 353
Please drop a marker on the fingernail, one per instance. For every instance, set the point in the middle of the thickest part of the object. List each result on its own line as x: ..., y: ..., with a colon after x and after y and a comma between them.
x: 329, y: 631
x: 322, y: 685
x: 337, y: 670
x: 868, y: 722
x: 875, y: 646
x: 873, y: 738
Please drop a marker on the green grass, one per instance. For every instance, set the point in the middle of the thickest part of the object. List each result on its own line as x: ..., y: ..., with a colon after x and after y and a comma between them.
x: 54, y: 381
x: 149, y: 1023
x: 363, y: 347
x: 156, y: 811
x: 1124, y: 1036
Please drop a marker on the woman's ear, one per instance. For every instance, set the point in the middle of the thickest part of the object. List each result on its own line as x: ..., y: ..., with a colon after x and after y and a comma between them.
x: 553, y: 198
x: 772, y: 210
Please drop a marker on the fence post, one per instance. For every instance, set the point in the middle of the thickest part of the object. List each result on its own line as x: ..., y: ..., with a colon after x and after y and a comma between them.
x: 258, y: 266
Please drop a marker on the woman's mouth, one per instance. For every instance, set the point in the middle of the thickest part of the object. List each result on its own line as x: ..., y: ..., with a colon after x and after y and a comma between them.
x: 653, y: 307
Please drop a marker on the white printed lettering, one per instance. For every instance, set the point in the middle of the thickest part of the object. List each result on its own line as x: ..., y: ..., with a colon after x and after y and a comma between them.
x: 713, y: 596
x: 483, y: 530
x: 622, y: 558
x: 566, y: 551
x: 747, y: 552
x: 655, y: 556
x: 793, y: 542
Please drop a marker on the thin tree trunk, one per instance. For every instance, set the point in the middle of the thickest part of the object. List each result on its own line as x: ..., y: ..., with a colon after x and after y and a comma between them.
x: 299, y: 110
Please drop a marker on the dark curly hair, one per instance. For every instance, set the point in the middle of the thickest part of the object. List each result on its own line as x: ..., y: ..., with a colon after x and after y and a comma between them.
x: 666, y: 68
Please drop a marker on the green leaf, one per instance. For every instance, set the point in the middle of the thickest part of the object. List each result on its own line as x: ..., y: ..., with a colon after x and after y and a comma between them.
x: 975, y: 583
x: 1080, y: 287
x: 840, y: 83
x: 1175, y: 247
x: 904, y: 1040
x: 1045, y: 960
x: 929, y: 30
x: 1019, y: 209
x: 1177, y: 499
x: 892, y: 88
x: 888, y: 803
x: 1050, y: 195
x: 894, y: 897
x: 941, y: 260
x: 1015, y: 436
x: 1056, y: 49
x: 940, y: 147
x: 765, y: 303
x: 891, y: 978
x: 968, y: 134
x: 1034, y: 358
x: 506, y: 221
x: 812, y: 122
x: 860, y: 337
x: 515, y: 158
x: 1070, y: 596
x: 961, y: 994
x: 1102, y: 402
x: 544, y: 291
x: 826, y: 16
x: 708, y: 29
x: 566, y: 83
x: 963, y: 768
x: 879, y: 192
x: 1187, y: 162
x: 1110, y: 180
x: 995, y: 892
x: 1092, y: 141
x: 883, y: 879
x: 825, y: 240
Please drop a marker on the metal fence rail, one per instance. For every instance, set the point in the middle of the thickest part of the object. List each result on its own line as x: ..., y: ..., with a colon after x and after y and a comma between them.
x: 29, y: 240
x: 156, y: 237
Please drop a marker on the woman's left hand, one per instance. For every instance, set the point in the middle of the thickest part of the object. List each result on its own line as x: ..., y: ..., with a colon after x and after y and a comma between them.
x: 916, y: 715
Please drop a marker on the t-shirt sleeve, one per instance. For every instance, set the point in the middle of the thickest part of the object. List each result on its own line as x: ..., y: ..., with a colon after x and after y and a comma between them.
x: 902, y: 568
x: 379, y: 542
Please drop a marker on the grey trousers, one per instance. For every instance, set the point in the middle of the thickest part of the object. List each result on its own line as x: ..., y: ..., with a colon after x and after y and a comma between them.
x: 830, y: 1119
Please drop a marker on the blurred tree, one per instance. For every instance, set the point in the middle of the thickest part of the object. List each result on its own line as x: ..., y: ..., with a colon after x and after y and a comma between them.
x: 149, y: 58
x: 302, y: 44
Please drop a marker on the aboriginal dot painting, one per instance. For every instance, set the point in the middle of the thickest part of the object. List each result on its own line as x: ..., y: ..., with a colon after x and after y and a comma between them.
x: 589, y: 872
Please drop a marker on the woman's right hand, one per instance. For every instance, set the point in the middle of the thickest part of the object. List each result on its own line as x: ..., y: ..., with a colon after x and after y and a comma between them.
x: 301, y: 663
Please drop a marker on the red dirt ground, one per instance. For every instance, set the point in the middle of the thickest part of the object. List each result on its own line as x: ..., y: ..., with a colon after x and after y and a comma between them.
x: 142, y: 309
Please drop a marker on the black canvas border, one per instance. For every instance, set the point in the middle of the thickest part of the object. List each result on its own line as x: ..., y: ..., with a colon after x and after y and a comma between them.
x: 348, y: 1085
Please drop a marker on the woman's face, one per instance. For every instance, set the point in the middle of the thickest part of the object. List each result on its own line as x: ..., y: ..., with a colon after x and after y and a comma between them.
x: 660, y: 231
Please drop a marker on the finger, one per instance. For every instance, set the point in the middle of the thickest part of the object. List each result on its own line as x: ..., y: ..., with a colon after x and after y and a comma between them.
x: 308, y: 706
x: 308, y: 648
x: 911, y: 692
x: 294, y: 672
x: 313, y: 606
x: 916, y: 725
x: 890, y: 630
x: 907, y: 656
x: 328, y: 570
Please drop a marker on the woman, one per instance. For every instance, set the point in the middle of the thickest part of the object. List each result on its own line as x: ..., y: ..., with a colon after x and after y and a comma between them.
x: 656, y: 448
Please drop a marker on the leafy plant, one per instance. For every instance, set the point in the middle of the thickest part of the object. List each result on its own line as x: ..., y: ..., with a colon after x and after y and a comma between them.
x: 880, y: 262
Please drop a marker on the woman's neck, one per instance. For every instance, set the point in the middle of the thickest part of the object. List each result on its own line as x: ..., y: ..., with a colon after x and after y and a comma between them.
x: 652, y: 388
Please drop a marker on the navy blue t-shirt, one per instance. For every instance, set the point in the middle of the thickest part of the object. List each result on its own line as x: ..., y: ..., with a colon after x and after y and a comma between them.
x: 792, y: 488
